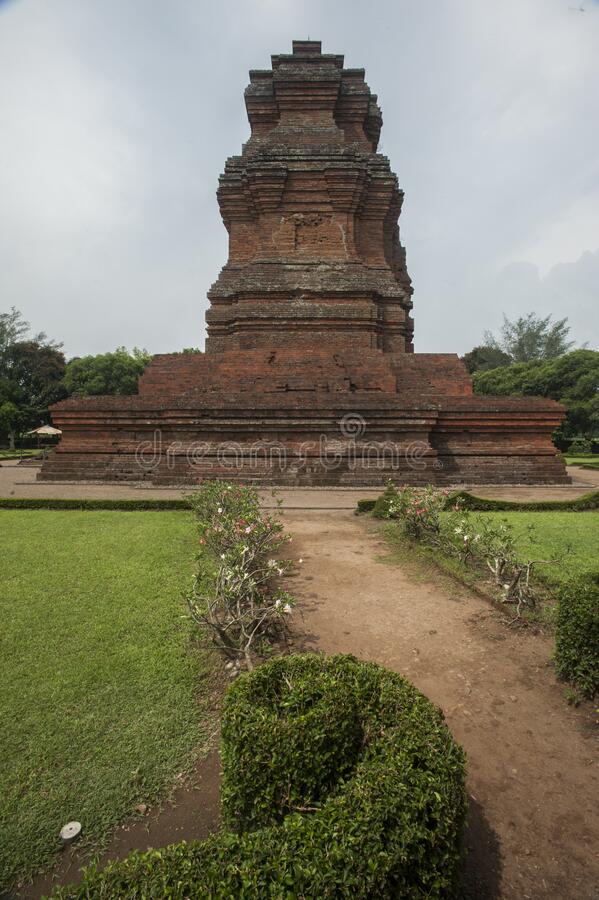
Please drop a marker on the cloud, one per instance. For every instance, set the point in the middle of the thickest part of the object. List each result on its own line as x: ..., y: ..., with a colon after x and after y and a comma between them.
x: 118, y: 117
x: 567, y: 289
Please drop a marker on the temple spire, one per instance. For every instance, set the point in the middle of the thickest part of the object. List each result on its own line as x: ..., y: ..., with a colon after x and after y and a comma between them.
x: 311, y: 210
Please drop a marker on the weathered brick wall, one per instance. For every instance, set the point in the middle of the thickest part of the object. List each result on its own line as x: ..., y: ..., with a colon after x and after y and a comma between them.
x: 310, y: 197
x: 309, y: 375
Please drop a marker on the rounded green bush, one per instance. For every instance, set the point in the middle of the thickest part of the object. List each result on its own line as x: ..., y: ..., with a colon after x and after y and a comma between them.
x: 339, y: 780
x: 577, y: 634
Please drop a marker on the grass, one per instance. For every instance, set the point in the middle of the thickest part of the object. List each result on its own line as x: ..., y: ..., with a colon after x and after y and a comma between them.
x: 575, y: 534
x: 101, y: 704
x: 588, y: 460
x: 17, y: 454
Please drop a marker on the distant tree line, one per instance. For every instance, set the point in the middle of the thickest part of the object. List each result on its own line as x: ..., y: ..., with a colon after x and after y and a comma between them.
x: 34, y: 374
x: 526, y: 339
x: 532, y: 356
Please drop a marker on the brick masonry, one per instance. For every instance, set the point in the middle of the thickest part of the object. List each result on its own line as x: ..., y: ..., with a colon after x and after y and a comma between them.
x: 309, y: 375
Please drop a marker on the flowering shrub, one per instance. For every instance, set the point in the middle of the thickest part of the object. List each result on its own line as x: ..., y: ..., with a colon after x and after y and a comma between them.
x: 237, y: 595
x: 381, y: 508
x: 498, y: 550
x: 461, y: 535
x: 418, y: 509
x: 477, y: 541
x: 494, y: 545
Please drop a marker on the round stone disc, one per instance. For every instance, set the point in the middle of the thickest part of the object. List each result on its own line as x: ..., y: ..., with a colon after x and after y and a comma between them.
x: 70, y: 831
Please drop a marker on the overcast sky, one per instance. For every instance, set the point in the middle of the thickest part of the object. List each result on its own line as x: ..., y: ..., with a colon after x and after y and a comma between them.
x: 117, y: 116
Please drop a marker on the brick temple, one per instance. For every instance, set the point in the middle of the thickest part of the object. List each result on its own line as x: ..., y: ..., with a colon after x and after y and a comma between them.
x: 309, y: 374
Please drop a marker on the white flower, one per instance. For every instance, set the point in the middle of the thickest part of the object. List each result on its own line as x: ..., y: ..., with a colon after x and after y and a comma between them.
x: 222, y: 556
x: 220, y: 509
x: 287, y: 608
x: 465, y: 538
x: 278, y: 602
x: 279, y: 571
x: 458, y: 530
x: 248, y: 529
x: 271, y: 563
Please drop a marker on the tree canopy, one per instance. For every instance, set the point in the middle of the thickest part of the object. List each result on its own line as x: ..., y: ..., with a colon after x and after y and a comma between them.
x: 31, y: 375
x: 14, y: 328
x: 483, y: 358
x: 573, y: 379
x: 106, y: 373
x: 531, y: 337
x: 34, y: 374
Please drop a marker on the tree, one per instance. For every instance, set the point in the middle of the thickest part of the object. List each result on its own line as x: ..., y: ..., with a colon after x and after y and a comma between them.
x: 531, y: 337
x: 573, y: 379
x: 31, y: 373
x: 31, y: 381
x: 9, y: 420
x: 106, y: 373
x: 483, y: 358
x: 14, y: 328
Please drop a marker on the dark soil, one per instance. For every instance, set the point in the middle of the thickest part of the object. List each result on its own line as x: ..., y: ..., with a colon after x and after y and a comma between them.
x: 192, y: 813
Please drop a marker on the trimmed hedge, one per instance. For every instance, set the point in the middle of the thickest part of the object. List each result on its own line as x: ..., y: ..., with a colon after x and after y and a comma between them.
x: 339, y: 780
x: 365, y: 506
x: 483, y: 504
x: 62, y: 503
x: 381, y: 504
x: 577, y: 634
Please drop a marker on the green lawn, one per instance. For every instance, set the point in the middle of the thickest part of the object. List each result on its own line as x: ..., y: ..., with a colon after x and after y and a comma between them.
x: 17, y: 454
x: 591, y: 460
x: 101, y: 684
x: 553, y: 533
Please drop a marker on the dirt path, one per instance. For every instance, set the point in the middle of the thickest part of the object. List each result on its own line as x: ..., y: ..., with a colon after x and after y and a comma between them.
x: 533, y: 775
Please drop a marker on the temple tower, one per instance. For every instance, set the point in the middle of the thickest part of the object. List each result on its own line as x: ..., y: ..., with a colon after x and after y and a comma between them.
x: 311, y: 209
x: 309, y: 375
